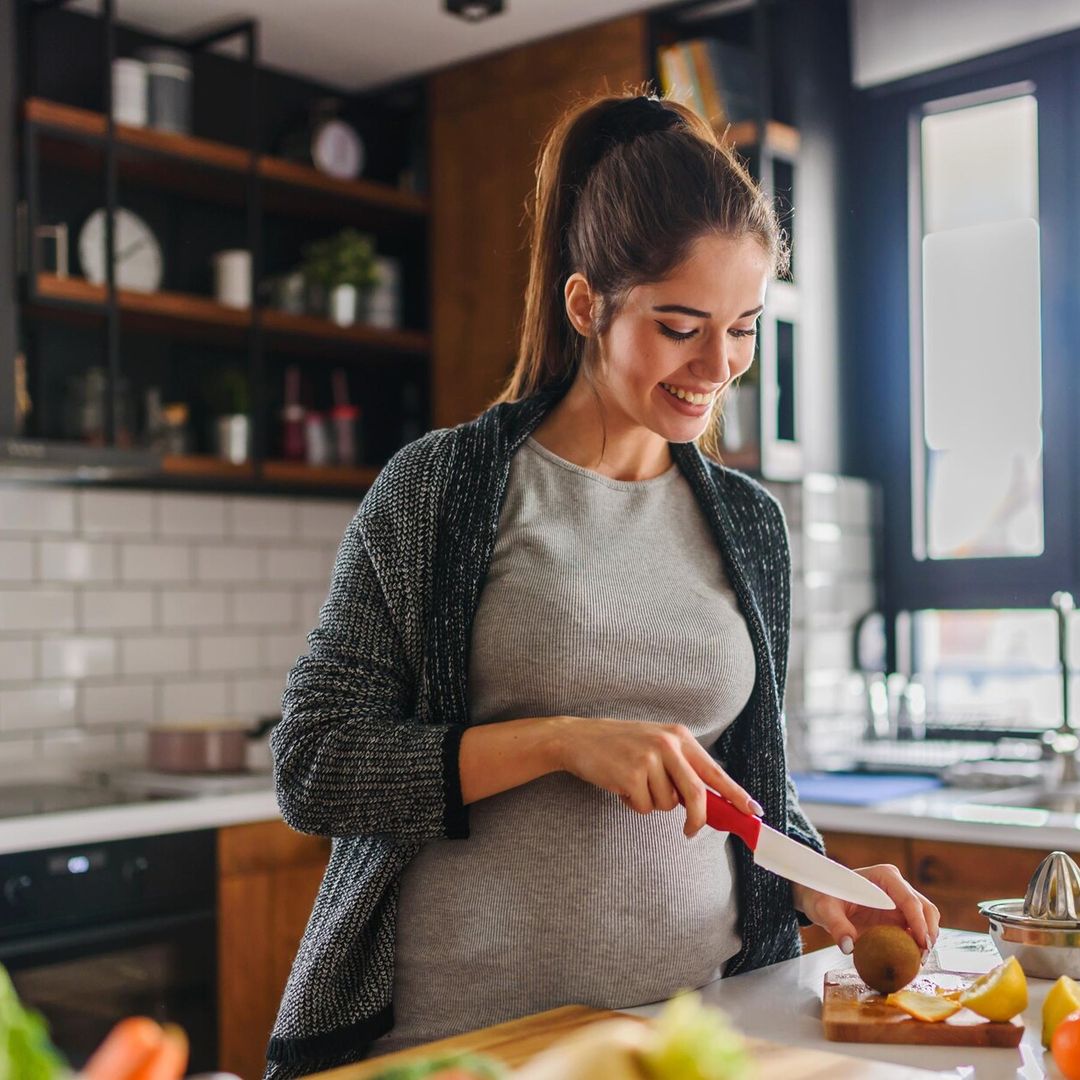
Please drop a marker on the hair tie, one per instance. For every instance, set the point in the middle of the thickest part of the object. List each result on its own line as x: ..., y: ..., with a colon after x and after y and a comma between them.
x: 625, y: 121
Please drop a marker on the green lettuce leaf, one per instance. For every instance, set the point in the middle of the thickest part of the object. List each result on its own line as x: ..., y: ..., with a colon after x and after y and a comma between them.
x: 25, y: 1050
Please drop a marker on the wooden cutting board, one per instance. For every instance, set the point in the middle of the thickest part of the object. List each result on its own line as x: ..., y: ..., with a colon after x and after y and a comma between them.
x: 517, y: 1041
x: 851, y: 1012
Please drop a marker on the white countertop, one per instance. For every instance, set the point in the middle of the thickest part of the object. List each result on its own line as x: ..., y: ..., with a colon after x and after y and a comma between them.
x: 945, y: 816
x: 782, y: 1003
x: 36, y: 831
x: 953, y: 815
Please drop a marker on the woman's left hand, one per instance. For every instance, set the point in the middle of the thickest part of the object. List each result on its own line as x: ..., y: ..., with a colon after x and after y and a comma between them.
x: 845, y: 921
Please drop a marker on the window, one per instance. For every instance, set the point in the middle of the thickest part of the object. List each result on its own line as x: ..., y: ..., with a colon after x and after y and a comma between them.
x: 976, y: 412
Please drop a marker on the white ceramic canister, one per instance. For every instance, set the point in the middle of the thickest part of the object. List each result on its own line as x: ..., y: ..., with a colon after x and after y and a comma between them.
x: 129, y: 92
x: 232, y: 277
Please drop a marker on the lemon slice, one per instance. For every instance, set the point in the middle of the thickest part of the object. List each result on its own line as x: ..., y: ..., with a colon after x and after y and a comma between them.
x: 1064, y: 998
x: 950, y: 995
x: 929, y: 1007
x: 999, y: 994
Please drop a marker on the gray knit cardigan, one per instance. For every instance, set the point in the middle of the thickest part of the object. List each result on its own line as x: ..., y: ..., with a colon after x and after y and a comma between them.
x: 367, y: 748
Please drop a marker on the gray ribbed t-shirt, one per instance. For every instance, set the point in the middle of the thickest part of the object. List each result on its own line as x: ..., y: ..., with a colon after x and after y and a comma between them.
x: 604, y: 598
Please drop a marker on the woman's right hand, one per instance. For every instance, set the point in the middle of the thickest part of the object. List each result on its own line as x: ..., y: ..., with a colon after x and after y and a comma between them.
x: 649, y: 766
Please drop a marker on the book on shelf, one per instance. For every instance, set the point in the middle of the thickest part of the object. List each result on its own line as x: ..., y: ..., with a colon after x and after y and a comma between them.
x: 717, y: 80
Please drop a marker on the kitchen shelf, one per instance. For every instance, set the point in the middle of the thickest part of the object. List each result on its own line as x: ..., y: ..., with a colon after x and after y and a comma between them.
x: 205, y: 467
x: 780, y: 139
x: 748, y: 460
x: 297, y: 473
x: 287, y: 185
x: 169, y: 310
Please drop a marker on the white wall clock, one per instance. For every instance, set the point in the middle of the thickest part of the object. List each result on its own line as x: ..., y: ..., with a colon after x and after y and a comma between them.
x: 337, y: 150
x: 138, y: 263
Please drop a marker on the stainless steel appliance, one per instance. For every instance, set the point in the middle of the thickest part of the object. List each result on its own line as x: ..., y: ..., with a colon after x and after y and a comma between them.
x: 94, y: 932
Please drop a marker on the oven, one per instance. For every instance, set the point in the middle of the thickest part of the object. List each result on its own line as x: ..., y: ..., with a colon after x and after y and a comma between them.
x: 92, y: 933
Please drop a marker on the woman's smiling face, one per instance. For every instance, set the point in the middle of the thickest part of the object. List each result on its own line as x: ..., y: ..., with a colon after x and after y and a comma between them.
x: 693, y: 332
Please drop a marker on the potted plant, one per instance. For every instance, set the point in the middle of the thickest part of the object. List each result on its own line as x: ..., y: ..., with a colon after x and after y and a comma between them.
x: 340, y: 270
x: 229, y: 398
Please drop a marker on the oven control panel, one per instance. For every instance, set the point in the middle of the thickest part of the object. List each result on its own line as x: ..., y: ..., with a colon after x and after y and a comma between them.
x: 118, y: 878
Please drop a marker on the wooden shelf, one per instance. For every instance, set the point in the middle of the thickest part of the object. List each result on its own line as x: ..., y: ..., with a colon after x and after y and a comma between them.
x: 747, y: 460
x: 288, y: 185
x: 205, y: 467
x: 780, y: 139
x: 296, y: 472
x: 164, y: 310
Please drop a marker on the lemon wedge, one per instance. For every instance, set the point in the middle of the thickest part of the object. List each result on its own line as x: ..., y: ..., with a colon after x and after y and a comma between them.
x: 929, y: 1007
x: 1064, y: 998
x: 999, y: 994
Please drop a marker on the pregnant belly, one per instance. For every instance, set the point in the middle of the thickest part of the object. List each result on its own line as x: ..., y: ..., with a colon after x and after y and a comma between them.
x: 561, y: 894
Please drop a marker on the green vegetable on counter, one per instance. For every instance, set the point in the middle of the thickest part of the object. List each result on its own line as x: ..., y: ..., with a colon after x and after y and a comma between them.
x: 694, y: 1042
x: 481, y: 1068
x: 25, y: 1050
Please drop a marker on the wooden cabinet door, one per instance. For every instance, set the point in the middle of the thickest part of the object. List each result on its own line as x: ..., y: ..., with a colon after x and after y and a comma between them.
x: 268, y: 878
x: 488, y: 118
x: 957, y: 876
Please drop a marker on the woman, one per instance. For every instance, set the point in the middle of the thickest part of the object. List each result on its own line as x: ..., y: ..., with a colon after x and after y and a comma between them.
x: 549, y: 630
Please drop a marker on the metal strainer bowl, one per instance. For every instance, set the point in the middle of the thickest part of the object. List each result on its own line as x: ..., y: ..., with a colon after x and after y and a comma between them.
x: 1043, y: 930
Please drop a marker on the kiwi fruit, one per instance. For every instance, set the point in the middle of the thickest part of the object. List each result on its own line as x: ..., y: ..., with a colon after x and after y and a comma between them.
x: 886, y: 958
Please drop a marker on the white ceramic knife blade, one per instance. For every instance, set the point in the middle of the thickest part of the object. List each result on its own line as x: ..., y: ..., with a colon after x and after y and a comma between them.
x: 781, y: 855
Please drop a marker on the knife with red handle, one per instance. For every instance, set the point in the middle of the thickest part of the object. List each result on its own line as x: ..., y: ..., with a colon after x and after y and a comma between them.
x: 780, y: 854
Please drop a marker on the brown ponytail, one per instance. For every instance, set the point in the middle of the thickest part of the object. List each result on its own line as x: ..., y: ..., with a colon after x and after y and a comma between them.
x: 625, y: 184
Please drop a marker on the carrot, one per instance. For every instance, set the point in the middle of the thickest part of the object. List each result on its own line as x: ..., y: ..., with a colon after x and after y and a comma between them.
x: 130, y: 1044
x: 169, y: 1060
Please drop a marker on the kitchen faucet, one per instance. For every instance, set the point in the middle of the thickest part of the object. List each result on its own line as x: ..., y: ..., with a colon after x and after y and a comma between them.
x: 1062, y: 742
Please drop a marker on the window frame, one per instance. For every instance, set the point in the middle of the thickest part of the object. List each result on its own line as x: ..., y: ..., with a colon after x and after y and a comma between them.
x: 885, y: 324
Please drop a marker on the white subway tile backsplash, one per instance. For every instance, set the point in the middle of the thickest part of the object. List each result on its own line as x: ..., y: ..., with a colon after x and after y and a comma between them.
x: 41, y: 707
x: 310, y: 604
x: 116, y: 609
x: 202, y: 608
x: 227, y: 652
x: 217, y: 562
x: 259, y: 696
x: 77, y: 560
x: 36, y: 609
x: 262, y: 518
x: 155, y: 562
x: 16, y: 560
x: 17, y: 659
x: 301, y: 565
x: 37, y: 510
x: 15, y: 753
x: 194, y: 699
x: 155, y: 655
x: 134, y: 745
x: 280, y: 651
x: 262, y: 608
x: 77, y: 657
x: 324, y: 520
x: 76, y: 744
x: 201, y: 516
x: 116, y: 513
x: 119, y: 609
x: 118, y: 703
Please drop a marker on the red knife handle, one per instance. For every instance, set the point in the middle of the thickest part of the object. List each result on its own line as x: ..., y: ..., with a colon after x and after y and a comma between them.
x: 726, y: 817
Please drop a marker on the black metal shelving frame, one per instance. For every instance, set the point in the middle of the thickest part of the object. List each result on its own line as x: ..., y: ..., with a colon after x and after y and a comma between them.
x: 25, y: 192
x: 245, y: 29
